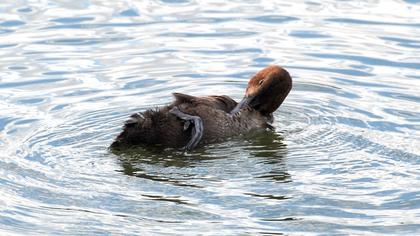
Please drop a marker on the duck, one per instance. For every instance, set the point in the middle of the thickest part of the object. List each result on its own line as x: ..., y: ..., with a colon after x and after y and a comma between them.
x: 191, y: 121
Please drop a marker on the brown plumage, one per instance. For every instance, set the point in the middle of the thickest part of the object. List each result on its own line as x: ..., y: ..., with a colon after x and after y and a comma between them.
x: 220, y: 116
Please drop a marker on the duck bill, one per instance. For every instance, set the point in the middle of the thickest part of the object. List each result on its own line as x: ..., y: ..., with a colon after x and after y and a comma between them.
x: 242, y: 104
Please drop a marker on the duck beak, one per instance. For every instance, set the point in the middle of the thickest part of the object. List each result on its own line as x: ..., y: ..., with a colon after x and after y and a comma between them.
x: 242, y: 104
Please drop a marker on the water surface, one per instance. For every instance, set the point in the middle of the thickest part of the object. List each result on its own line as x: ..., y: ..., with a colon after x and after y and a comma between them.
x: 344, y: 159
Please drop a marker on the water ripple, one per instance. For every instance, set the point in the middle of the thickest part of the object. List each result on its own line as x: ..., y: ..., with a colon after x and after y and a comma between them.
x: 344, y: 158
x: 11, y: 23
x: 367, y: 60
x: 369, y: 22
x: 82, y: 41
x: 72, y: 20
x: 273, y: 19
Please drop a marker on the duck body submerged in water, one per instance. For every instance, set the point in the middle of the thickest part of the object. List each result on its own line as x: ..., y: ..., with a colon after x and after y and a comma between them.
x: 190, y: 120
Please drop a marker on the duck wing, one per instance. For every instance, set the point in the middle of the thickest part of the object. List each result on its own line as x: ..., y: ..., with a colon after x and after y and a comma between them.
x: 183, y: 98
x: 223, y: 102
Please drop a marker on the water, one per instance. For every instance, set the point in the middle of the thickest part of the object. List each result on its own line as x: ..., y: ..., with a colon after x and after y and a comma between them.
x: 344, y: 159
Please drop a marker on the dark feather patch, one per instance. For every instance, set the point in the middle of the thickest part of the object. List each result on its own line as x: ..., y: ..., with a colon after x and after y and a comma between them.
x: 183, y: 98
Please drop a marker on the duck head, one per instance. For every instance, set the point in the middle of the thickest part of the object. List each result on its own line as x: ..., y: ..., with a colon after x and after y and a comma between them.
x: 266, y: 90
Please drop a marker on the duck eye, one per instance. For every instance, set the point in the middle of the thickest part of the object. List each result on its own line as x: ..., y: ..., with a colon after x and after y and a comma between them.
x: 261, y: 82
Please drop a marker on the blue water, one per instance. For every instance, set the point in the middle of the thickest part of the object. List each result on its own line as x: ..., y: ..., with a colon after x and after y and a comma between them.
x: 344, y: 159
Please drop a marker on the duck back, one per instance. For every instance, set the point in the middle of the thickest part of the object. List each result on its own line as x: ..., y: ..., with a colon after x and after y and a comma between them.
x: 160, y: 127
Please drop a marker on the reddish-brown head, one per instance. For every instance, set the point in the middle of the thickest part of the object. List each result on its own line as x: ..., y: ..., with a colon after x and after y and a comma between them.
x: 266, y: 90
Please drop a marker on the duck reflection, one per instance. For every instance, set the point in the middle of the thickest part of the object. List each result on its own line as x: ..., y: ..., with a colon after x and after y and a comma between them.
x: 152, y: 163
x: 270, y: 149
x: 261, y: 149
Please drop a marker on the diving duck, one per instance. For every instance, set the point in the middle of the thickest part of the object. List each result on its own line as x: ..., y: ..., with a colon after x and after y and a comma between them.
x: 190, y: 120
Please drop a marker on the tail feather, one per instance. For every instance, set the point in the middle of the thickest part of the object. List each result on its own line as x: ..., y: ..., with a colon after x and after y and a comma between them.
x: 139, y: 128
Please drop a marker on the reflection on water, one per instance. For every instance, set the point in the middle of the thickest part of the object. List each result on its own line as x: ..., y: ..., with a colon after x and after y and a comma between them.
x: 265, y: 149
x: 344, y: 158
